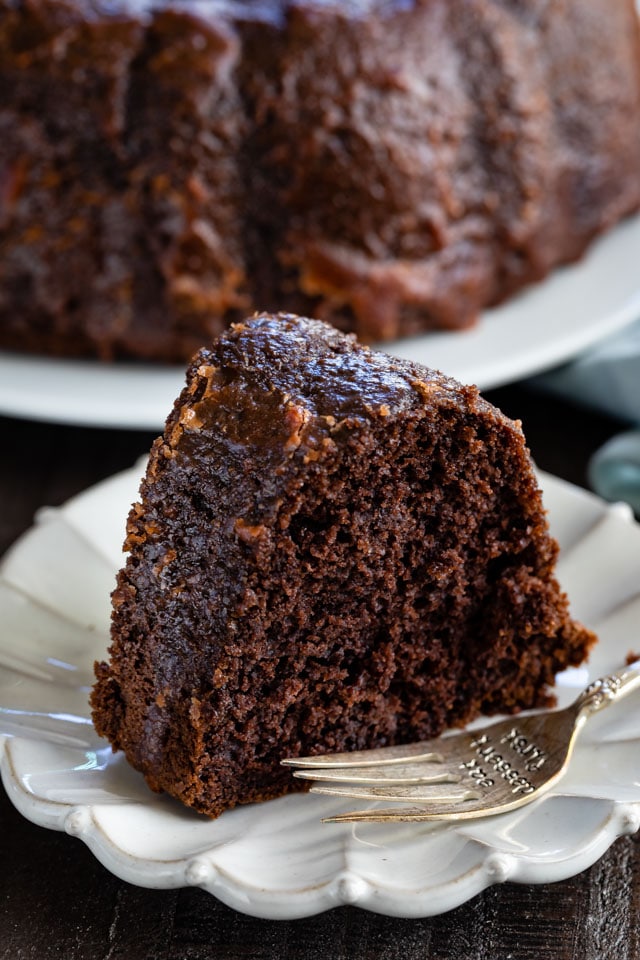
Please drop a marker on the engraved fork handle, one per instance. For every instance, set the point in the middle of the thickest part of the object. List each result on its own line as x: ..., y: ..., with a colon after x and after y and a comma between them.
x: 607, y: 690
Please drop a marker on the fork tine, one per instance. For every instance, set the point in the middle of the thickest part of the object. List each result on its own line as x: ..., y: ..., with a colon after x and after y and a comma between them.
x: 390, y: 815
x: 378, y: 757
x: 441, y: 793
x: 471, y: 807
x: 388, y: 776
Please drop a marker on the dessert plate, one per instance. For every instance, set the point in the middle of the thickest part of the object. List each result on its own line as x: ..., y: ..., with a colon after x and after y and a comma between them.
x: 276, y: 859
x: 572, y: 310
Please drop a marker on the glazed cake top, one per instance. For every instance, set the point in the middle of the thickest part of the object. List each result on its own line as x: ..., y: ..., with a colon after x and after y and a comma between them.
x: 308, y: 364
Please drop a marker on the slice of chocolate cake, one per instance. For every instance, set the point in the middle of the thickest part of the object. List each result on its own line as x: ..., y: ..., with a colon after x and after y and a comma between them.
x: 333, y: 549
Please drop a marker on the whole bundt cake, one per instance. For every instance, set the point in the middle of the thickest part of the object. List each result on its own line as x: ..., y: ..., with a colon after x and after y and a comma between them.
x: 167, y: 166
x: 333, y: 549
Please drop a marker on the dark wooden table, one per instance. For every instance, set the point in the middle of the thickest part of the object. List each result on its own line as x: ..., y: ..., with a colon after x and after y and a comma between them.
x: 56, y: 901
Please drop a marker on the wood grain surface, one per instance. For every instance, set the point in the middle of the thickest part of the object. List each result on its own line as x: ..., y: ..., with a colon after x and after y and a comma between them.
x: 57, y: 901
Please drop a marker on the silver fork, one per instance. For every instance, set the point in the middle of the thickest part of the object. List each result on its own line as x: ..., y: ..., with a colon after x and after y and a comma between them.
x: 464, y: 775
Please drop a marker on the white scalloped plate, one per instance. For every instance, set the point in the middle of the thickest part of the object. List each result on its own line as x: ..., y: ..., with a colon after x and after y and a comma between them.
x: 575, y: 308
x: 276, y: 859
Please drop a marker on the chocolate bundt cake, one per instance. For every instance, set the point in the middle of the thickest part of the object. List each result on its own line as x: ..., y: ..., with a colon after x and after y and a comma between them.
x: 333, y: 549
x: 168, y: 166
